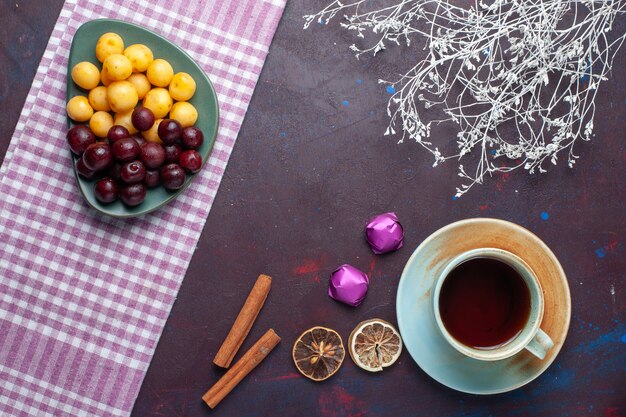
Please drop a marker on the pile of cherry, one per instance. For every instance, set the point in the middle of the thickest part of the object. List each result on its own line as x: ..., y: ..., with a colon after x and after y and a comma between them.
x: 128, y: 164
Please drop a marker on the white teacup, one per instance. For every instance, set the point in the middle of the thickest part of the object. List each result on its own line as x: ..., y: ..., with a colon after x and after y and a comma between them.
x: 530, y: 337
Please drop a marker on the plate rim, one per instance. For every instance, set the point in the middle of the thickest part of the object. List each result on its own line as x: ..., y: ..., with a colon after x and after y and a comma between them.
x: 70, y: 122
x: 486, y: 220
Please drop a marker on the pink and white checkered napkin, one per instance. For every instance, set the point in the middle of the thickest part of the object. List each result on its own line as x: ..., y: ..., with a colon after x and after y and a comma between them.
x: 84, y: 298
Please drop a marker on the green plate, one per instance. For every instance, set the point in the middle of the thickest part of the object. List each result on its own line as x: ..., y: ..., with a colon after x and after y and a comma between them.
x: 204, y: 100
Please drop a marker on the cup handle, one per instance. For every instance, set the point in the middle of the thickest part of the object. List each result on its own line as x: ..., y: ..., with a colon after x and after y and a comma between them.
x: 540, y: 344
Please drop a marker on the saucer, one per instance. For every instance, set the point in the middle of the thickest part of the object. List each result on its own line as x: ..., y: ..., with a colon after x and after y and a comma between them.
x: 417, y: 323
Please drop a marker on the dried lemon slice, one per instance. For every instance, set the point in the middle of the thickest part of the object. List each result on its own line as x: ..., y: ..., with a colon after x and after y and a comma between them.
x: 374, y: 344
x: 318, y: 353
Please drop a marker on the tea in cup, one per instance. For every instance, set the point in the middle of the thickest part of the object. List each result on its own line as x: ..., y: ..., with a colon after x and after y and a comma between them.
x: 488, y: 305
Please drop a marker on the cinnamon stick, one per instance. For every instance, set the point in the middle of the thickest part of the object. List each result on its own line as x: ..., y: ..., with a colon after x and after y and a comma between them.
x: 243, y: 367
x: 244, y: 321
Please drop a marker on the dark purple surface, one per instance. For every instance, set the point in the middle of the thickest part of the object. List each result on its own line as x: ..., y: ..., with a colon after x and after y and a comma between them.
x: 309, y: 168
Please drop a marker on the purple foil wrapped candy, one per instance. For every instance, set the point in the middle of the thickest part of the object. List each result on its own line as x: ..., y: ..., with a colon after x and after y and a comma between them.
x: 384, y: 233
x: 348, y: 285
